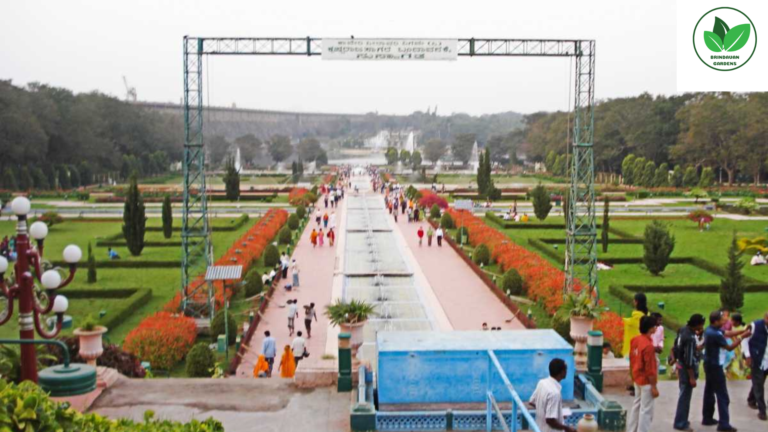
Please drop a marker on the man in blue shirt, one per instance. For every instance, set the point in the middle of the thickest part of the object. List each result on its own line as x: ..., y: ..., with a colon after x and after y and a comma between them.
x: 716, y: 386
x: 269, y: 351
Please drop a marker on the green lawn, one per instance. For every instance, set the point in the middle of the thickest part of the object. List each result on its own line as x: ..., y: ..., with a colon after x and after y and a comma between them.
x: 466, y: 179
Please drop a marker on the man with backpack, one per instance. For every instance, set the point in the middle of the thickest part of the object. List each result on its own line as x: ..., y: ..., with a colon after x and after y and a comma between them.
x: 685, y: 353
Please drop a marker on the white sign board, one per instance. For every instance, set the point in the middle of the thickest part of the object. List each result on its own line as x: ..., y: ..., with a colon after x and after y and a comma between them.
x: 463, y: 205
x: 390, y: 49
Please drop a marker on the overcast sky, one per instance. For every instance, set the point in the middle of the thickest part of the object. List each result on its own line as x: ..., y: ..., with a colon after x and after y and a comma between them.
x: 89, y: 45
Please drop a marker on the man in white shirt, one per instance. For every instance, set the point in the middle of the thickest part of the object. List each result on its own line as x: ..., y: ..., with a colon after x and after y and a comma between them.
x: 758, y: 259
x: 547, y: 399
x: 293, y: 311
x: 439, y: 234
x: 298, y: 347
x: 755, y: 350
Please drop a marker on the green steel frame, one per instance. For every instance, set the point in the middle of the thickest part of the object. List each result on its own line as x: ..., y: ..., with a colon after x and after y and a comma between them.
x: 581, y: 255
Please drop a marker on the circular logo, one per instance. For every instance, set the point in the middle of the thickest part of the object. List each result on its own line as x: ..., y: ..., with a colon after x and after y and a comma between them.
x: 724, y: 39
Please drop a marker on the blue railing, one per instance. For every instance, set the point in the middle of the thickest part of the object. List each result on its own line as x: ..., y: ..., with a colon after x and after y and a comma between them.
x: 517, y: 404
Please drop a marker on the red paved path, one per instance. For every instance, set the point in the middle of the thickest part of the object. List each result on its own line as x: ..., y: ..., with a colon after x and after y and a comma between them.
x: 466, y: 300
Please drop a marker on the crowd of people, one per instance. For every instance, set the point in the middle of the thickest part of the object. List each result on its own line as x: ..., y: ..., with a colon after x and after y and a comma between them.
x: 727, y: 348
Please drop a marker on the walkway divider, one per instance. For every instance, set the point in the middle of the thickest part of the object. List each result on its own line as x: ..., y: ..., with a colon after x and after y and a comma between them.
x: 517, y: 403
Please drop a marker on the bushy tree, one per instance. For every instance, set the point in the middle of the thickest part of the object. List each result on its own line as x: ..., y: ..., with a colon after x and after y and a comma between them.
x: 446, y: 222
x: 200, y: 361
x: 9, y: 179
x: 91, y: 265
x: 280, y: 148
x: 218, y: 328
x: 707, y: 178
x: 658, y: 245
x: 732, y: 285
x: 271, y: 256
x: 648, y: 174
x: 542, y: 202
x: 559, y: 168
x: 405, y: 157
x: 690, y: 178
x: 661, y: 178
x: 637, y: 171
x: 134, y: 219
x: 606, y: 222
x: 434, y: 212
x: 293, y: 221
x: 285, y: 235
x: 39, y: 179
x: 301, y: 211
x: 25, y: 179
x: 416, y: 160
x: 64, y: 181
x: 435, y: 149
x: 627, y: 169
x: 167, y: 217
x: 462, y: 145
x: 512, y: 283
x: 677, y: 176
x: 232, y: 181
x: 391, y: 155
x: 253, y: 283
x: 481, y: 255
x: 74, y: 177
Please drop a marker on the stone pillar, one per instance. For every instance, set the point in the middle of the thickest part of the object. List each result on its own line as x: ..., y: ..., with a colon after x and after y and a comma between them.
x: 595, y: 358
x: 344, y: 383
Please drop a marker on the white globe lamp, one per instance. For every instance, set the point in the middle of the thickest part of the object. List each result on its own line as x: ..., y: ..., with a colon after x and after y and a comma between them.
x: 3, y: 264
x: 38, y: 230
x: 20, y: 206
x: 60, y: 304
x: 72, y: 254
x: 51, y: 279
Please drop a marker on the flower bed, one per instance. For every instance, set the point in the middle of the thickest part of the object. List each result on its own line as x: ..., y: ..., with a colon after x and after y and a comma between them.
x: 301, y: 196
x: 163, y: 339
x: 612, y: 326
x: 429, y: 198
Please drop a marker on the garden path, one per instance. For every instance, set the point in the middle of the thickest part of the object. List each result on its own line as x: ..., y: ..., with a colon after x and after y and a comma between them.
x: 464, y: 297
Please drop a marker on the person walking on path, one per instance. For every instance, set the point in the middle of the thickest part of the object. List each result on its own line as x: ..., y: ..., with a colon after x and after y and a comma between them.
x: 318, y: 216
x: 737, y: 367
x: 292, y: 313
x: 313, y: 237
x: 757, y: 358
x: 645, y: 370
x: 430, y: 233
x: 269, y: 351
x: 331, y: 236
x: 320, y: 237
x: 295, y: 273
x: 332, y: 221
x: 287, y: 366
x: 686, y: 354
x: 439, y: 234
x: 547, y: 399
x: 403, y: 205
x: 325, y: 198
x: 309, y: 313
x: 325, y: 220
x: 298, y: 346
x: 284, y: 264
x: 416, y: 214
x: 394, y: 214
x: 420, y: 233
x: 716, y: 386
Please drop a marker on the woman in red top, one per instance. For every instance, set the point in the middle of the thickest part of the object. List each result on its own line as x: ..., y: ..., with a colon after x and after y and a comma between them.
x: 420, y: 233
x: 331, y: 236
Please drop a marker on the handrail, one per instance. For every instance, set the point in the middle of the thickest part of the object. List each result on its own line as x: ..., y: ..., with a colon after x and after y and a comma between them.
x: 499, y: 414
x: 57, y: 342
x: 361, y: 393
x: 516, y: 401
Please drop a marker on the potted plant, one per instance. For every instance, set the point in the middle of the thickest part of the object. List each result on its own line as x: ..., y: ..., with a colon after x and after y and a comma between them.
x: 90, y: 334
x: 350, y: 317
x: 583, y: 311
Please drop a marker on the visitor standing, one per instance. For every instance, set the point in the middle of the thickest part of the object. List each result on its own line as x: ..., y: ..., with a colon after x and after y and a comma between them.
x: 284, y: 264
x: 737, y: 367
x: 420, y: 233
x: 298, y: 346
x: 269, y: 351
x: 325, y: 199
x: 439, y: 234
x: 292, y: 313
x: 331, y: 236
x: 416, y: 214
x: 403, y: 205
x: 332, y: 221
x: 645, y: 371
x: 309, y: 314
x: 547, y: 399
x: 295, y: 272
x: 658, y: 335
x: 757, y: 359
x: 287, y: 366
x: 325, y: 220
x: 320, y: 237
x: 430, y: 233
x: 686, y: 355
x: 716, y: 386
x: 394, y: 214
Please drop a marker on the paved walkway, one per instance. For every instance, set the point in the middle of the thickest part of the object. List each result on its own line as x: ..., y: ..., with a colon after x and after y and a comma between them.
x: 742, y: 418
x: 466, y: 300
x: 317, y: 267
x: 240, y: 405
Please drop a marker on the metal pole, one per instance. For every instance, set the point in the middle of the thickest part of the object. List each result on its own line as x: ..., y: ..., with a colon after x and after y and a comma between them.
x: 26, y: 302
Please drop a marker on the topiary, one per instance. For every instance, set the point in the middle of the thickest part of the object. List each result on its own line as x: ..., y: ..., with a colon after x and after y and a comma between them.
x: 512, y: 283
x: 253, y: 284
x: 293, y: 221
x: 434, y: 212
x: 481, y: 256
x: 301, y: 211
x: 463, y: 231
x: 217, y: 326
x: 446, y: 222
x: 200, y: 361
x: 285, y: 235
x: 271, y: 256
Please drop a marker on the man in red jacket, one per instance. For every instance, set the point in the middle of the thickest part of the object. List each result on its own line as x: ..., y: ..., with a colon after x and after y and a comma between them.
x: 645, y: 371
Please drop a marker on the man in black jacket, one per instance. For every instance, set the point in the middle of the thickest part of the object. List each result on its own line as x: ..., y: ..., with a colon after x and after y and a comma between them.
x: 687, y: 356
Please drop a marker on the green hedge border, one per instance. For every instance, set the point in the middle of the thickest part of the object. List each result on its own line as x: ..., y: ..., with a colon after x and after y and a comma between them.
x: 111, y: 243
x: 118, y: 264
x: 132, y: 300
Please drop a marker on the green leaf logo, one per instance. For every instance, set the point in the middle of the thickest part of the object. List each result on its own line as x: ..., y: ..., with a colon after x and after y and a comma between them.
x: 721, y: 28
x: 736, y: 38
x: 713, y: 41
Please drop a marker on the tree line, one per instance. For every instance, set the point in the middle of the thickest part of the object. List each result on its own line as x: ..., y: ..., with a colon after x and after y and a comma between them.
x: 278, y: 148
x: 51, y: 138
x: 697, y: 136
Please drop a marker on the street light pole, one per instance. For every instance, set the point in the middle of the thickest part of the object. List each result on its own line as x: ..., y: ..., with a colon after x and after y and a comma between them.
x: 28, y: 269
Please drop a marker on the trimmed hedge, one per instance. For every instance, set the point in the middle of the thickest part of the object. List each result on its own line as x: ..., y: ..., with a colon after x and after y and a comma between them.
x: 481, y: 255
x: 113, y: 264
x: 512, y: 283
x: 132, y: 299
x: 146, y: 244
x: 545, y: 249
x: 239, y: 223
x: 611, y: 241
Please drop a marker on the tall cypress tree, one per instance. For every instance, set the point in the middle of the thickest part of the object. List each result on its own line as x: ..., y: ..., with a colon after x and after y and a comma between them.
x: 732, y: 285
x: 232, y: 181
x: 482, y: 178
x: 167, y: 217
x: 91, y: 265
x: 604, y: 237
x: 134, y: 219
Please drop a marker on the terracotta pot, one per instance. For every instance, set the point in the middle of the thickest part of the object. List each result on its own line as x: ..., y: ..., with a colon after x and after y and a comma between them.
x: 91, y: 347
x: 356, y: 330
x: 587, y: 424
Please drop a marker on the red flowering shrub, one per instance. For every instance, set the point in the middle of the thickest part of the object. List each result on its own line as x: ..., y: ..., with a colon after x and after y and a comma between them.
x: 698, y: 215
x: 301, y: 196
x: 163, y: 339
x: 612, y: 326
x: 429, y: 198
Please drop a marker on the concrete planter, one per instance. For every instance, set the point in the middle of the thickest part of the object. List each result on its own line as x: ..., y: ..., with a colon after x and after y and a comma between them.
x: 580, y: 328
x: 91, y: 347
x: 356, y: 330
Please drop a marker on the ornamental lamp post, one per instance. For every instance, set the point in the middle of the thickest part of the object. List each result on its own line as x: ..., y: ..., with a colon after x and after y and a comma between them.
x: 33, y: 302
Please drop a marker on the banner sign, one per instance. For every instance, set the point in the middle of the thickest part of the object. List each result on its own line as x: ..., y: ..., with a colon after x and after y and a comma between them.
x: 390, y: 49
